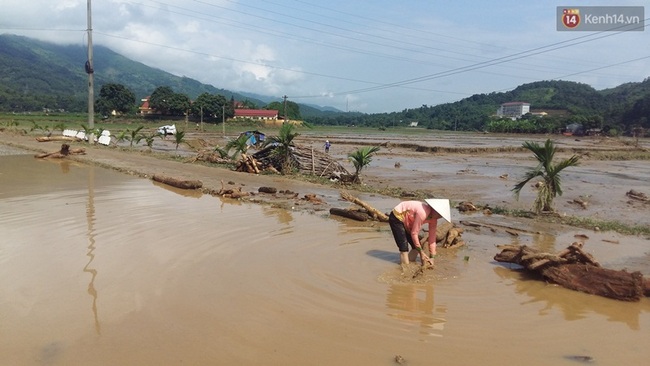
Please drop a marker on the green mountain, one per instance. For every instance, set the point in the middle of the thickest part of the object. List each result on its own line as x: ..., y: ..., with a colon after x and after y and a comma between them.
x: 620, y: 107
x: 564, y: 102
x: 36, y: 75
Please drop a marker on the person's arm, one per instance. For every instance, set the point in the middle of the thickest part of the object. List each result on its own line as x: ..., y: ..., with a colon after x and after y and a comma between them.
x: 433, y: 227
x: 415, y: 231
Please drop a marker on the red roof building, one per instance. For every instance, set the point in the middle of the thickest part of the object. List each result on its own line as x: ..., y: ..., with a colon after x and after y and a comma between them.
x: 270, y: 114
x: 145, y: 108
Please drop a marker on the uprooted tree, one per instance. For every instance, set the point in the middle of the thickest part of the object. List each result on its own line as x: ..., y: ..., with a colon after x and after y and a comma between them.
x: 577, y: 270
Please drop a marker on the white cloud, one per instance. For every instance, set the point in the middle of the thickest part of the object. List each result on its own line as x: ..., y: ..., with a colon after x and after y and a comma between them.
x: 68, y: 4
x: 296, y: 49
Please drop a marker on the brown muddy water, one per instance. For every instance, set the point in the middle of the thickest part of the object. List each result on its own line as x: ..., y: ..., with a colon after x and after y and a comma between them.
x: 101, y: 268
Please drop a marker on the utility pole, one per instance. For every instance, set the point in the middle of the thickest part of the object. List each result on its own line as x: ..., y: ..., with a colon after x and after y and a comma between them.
x: 223, y: 120
x: 201, y: 117
x: 90, y: 71
x: 285, y: 108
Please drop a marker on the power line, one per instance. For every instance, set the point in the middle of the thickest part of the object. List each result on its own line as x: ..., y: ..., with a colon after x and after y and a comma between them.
x: 496, y: 61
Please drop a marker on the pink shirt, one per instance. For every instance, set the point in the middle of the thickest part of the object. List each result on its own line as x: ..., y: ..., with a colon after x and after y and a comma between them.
x: 414, y: 214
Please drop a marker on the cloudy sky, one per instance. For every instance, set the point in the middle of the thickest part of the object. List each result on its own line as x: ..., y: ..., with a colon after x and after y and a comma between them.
x: 367, y: 56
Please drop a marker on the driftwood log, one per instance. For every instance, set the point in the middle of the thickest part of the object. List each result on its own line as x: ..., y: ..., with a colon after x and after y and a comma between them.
x: 376, y: 214
x: 178, y: 183
x: 350, y: 214
x: 56, y: 138
x: 577, y: 270
x: 65, y: 151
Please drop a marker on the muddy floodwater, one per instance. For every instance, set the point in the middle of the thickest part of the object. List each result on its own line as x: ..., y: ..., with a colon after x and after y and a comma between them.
x: 103, y: 268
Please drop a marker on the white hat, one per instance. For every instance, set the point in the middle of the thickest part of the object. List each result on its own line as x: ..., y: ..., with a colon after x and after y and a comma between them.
x: 441, y: 206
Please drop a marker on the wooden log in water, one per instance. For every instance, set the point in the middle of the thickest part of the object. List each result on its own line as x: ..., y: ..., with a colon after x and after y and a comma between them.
x: 350, y: 214
x: 380, y: 216
x: 178, y: 183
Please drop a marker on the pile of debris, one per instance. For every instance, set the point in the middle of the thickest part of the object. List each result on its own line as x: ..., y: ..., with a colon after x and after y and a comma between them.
x: 304, y: 159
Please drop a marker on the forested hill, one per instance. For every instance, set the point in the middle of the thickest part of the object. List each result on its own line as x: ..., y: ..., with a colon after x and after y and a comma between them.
x: 553, y: 97
x: 36, y: 74
x: 564, y: 102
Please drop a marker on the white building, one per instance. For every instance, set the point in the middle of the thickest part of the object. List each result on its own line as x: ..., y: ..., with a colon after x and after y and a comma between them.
x: 513, y: 110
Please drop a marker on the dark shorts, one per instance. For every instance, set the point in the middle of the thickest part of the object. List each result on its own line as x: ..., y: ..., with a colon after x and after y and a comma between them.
x: 402, y: 238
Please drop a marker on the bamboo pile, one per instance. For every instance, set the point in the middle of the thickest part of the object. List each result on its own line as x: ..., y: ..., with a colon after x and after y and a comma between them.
x: 305, y: 159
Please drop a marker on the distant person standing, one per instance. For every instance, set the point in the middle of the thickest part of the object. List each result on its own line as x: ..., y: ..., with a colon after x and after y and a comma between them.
x: 327, y: 146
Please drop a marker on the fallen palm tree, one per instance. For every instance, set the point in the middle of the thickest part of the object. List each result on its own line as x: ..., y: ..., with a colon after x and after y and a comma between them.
x: 577, y: 270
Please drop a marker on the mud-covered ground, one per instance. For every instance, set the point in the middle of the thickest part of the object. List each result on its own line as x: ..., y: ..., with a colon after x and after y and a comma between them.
x: 145, y: 273
x: 479, y: 168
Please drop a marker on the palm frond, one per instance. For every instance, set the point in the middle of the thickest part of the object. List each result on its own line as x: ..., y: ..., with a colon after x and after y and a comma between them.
x: 530, y: 174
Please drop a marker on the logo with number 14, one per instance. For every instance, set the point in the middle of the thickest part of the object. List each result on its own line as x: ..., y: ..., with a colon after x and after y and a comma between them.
x: 571, y: 18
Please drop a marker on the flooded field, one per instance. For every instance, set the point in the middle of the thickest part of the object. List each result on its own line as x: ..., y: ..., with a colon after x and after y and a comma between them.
x: 103, y: 268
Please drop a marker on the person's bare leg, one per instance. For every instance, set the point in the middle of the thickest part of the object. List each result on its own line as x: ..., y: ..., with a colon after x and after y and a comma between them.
x: 413, y: 255
x: 404, y: 258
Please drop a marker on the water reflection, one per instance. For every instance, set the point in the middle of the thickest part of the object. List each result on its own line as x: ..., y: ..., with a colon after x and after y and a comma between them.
x: 65, y: 166
x: 90, y: 219
x: 414, y: 304
x: 283, y: 216
x: 575, y: 307
x: 192, y: 193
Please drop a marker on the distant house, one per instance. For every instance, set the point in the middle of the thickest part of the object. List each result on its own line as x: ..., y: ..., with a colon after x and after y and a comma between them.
x: 145, y: 108
x: 414, y: 124
x: 513, y: 110
x: 257, y: 114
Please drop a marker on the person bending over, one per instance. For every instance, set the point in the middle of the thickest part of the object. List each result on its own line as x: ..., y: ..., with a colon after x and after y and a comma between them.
x: 406, y: 220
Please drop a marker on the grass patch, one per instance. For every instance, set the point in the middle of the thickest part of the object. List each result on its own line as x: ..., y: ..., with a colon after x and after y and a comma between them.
x: 589, y: 223
x: 619, y: 155
x: 580, y: 222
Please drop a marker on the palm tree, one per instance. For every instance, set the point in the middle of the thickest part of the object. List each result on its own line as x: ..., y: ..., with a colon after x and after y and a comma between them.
x: 361, y: 158
x: 179, y: 138
x: 120, y: 137
x: 284, y: 142
x: 549, y: 173
x: 133, y: 136
x: 149, y: 139
x: 239, y: 144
